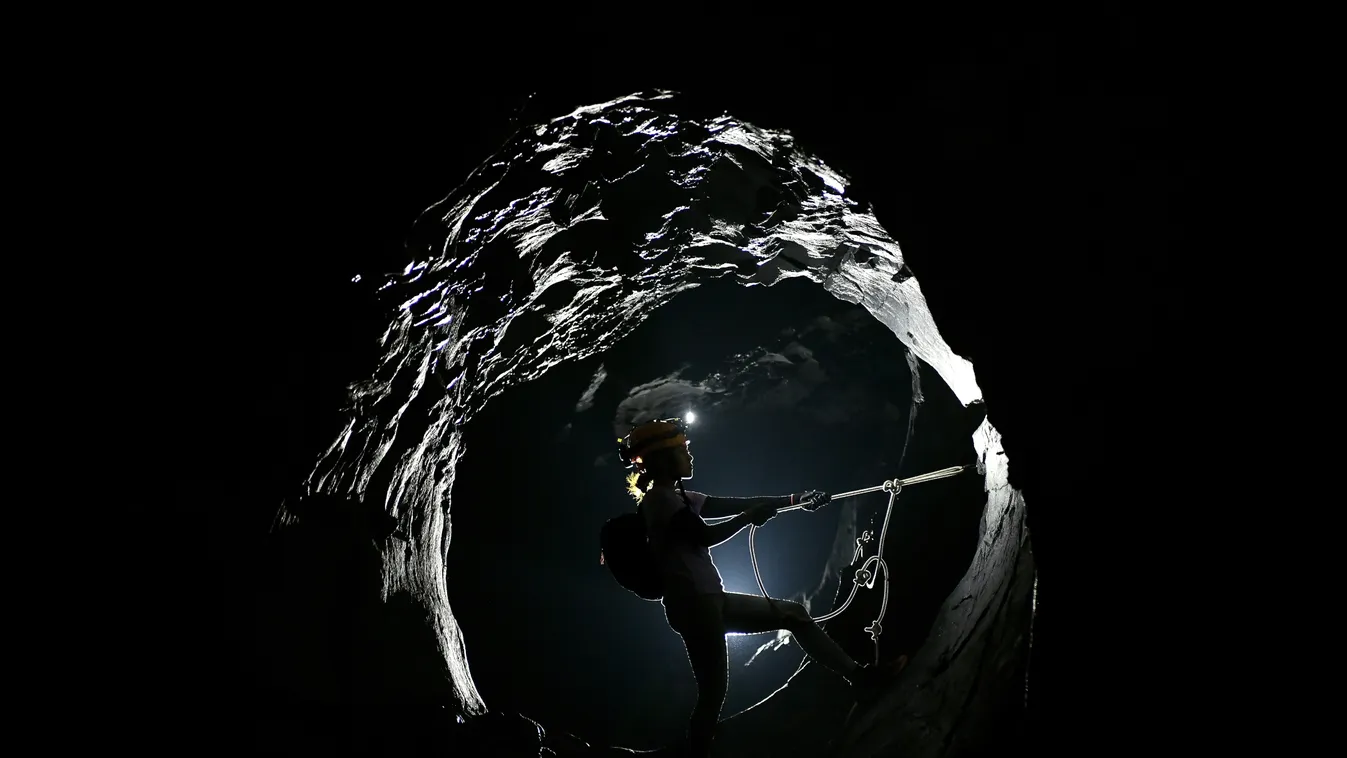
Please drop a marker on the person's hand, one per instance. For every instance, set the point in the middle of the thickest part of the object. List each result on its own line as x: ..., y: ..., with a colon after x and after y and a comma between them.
x: 813, y: 500
x: 761, y: 513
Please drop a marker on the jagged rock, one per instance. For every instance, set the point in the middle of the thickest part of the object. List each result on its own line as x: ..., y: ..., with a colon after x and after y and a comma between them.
x: 503, y: 734
x: 553, y: 250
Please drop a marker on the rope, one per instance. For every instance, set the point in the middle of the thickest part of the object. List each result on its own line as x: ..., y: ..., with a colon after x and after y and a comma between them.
x: 864, y: 575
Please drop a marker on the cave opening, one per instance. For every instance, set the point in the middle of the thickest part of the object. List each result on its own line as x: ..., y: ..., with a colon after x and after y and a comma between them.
x: 806, y: 391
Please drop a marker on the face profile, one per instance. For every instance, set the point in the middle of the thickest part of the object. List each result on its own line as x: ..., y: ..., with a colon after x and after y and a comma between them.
x: 683, y: 460
x: 670, y: 463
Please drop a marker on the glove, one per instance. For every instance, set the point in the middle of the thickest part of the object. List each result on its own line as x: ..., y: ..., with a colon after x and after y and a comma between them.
x: 761, y: 514
x: 813, y: 500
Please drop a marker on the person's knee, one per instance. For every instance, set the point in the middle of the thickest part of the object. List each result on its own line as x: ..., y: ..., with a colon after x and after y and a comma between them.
x: 711, y: 693
x: 793, y: 615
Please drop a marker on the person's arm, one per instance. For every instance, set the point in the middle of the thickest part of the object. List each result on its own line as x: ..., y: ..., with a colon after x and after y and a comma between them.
x: 718, y: 507
x: 689, y: 526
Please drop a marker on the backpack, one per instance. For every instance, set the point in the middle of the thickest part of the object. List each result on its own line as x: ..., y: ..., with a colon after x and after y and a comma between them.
x: 624, y: 549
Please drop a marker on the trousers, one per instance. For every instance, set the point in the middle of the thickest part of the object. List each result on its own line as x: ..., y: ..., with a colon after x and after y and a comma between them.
x: 704, y: 620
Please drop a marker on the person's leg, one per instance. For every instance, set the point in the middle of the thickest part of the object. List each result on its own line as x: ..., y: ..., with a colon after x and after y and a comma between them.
x: 700, y: 623
x: 749, y: 614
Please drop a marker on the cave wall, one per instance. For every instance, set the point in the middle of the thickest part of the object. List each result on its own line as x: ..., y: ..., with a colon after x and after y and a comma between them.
x: 954, y: 699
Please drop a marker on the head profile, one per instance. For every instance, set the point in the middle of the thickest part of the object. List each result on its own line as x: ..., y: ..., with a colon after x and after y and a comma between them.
x: 657, y: 452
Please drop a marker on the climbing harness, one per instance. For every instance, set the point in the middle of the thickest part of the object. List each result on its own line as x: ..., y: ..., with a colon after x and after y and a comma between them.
x: 866, y: 574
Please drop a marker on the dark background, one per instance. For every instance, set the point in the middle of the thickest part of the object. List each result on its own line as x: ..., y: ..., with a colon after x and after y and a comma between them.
x: 1033, y: 169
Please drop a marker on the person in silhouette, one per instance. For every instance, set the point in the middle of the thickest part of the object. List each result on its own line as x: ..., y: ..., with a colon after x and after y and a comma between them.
x: 695, y: 601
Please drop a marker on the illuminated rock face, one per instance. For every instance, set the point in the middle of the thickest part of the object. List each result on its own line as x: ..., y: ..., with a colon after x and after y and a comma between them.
x: 555, y: 249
